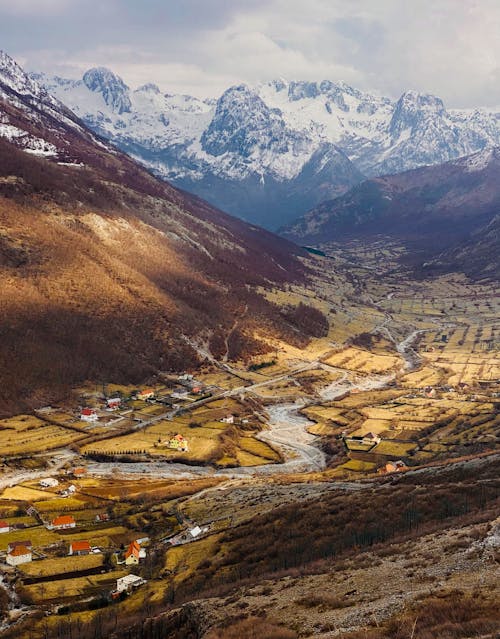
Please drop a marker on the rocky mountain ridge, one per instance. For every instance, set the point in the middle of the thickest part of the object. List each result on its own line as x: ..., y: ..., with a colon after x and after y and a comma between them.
x: 256, y: 148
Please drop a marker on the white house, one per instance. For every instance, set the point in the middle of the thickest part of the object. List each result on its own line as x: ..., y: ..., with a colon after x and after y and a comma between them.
x: 124, y: 584
x: 18, y: 555
x: 113, y: 403
x: 48, y: 482
x: 89, y: 415
x: 4, y: 527
x: 228, y: 420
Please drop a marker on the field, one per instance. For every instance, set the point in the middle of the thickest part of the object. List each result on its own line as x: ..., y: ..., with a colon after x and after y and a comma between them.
x: 26, y: 434
x: 363, y: 361
x: 209, y: 439
x: 61, y: 565
x: 64, y: 589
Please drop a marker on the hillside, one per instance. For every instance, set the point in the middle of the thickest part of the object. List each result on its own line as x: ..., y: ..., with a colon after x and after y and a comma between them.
x: 107, y: 272
x: 448, y: 210
x: 272, y: 151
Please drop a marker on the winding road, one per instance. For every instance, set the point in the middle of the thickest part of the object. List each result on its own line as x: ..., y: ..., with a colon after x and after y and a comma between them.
x: 287, y: 431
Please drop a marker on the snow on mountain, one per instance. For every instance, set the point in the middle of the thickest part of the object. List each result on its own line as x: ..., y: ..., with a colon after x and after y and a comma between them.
x: 269, y: 152
x: 26, y: 107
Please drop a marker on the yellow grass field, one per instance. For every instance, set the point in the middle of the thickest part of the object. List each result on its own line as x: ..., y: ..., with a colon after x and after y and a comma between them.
x: 182, y: 561
x: 359, y: 466
x: 389, y: 447
x: 38, y: 535
x: 68, y: 588
x: 59, y: 565
x: 25, y: 434
x: 362, y: 361
x: 23, y: 493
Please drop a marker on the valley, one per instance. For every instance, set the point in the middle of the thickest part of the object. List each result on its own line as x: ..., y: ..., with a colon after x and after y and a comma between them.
x: 403, y: 389
x: 210, y: 431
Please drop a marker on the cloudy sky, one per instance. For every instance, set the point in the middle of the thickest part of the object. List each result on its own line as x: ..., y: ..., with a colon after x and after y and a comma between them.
x: 447, y: 47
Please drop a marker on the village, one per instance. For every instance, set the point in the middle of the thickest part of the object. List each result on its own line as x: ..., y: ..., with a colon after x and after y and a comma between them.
x: 102, y: 495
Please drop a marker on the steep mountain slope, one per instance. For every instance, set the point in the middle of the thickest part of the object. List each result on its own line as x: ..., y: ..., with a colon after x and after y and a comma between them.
x: 451, y: 208
x: 107, y: 272
x: 269, y: 153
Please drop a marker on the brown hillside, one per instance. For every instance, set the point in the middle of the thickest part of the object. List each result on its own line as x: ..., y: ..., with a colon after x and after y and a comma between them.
x: 107, y: 273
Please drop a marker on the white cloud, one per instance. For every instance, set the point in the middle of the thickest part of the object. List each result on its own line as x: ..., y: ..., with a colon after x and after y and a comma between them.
x: 34, y: 7
x: 447, y: 47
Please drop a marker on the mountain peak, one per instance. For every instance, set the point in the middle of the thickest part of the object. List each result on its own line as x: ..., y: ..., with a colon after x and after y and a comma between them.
x: 149, y: 87
x: 13, y: 77
x: 113, y: 89
x: 412, y: 109
x: 414, y: 100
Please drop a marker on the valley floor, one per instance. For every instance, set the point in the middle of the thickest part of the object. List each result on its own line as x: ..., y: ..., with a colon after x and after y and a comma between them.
x: 403, y: 390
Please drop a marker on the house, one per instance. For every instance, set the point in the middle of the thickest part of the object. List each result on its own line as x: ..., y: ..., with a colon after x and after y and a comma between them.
x: 371, y: 438
x: 4, y: 527
x: 395, y: 466
x: 146, y: 394
x: 48, y: 482
x: 63, y: 522
x: 101, y: 517
x: 79, y: 472
x: 18, y: 555
x: 113, y: 403
x: 70, y: 490
x: 133, y: 554
x: 229, y: 419
x: 79, y: 548
x: 25, y: 543
x: 178, y: 442
x: 197, y: 389
x: 89, y: 415
x: 128, y: 583
x: 195, y: 532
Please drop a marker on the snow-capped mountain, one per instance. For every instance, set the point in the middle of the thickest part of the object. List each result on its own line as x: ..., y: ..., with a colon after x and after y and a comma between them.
x: 270, y: 152
x: 237, y: 152
x: 35, y: 121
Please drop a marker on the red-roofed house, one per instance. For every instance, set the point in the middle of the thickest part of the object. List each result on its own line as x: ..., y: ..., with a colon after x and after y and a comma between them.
x: 112, y: 403
x: 102, y: 517
x: 88, y: 415
x: 63, y: 521
x: 79, y: 548
x: 18, y: 555
x: 4, y: 527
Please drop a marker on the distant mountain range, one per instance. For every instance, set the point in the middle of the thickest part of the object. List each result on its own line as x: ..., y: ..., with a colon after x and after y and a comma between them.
x: 270, y: 152
x: 108, y: 273
x: 447, y: 214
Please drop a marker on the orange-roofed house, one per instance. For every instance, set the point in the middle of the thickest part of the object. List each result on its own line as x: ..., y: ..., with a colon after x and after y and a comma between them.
x: 63, y: 522
x: 4, y: 526
x: 395, y: 466
x: 18, y: 555
x: 79, y: 472
x: 132, y: 554
x: 79, y: 548
x: 146, y: 394
x: 178, y: 442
